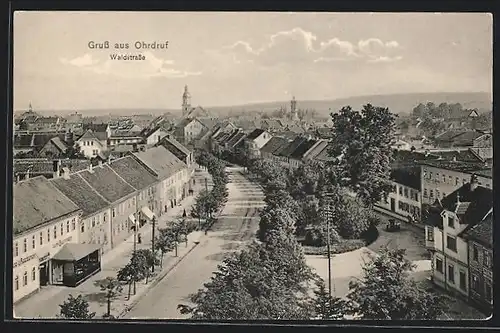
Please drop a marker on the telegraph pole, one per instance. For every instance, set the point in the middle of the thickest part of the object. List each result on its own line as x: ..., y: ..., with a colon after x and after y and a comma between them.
x: 135, y: 237
x: 153, y: 240
x: 328, y: 215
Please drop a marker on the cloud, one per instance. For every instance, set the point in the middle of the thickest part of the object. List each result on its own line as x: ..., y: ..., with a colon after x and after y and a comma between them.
x: 152, y: 66
x: 384, y: 59
x: 297, y: 46
x: 83, y: 61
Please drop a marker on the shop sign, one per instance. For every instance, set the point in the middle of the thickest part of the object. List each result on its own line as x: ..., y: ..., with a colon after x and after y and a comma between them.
x: 23, y: 260
x: 62, y: 242
x: 44, y: 257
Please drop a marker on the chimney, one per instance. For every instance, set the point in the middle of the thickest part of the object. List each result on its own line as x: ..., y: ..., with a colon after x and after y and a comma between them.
x: 454, y: 159
x: 427, y: 152
x: 109, y: 158
x: 28, y: 173
x: 90, y: 167
x: 56, y: 168
x: 473, y: 182
x: 65, y: 173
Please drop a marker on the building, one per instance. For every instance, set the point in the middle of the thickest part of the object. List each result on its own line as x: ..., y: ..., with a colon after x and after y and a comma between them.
x: 186, y: 101
x: 176, y: 148
x: 480, y: 241
x: 25, y: 168
x: 449, y: 221
x: 172, y: 176
x: 255, y: 141
x: 125, y: 137
x: 189, y: 129
x: 270, y: 149
x: 284, y: 155
x: 32, y: 142
x: 463, y: 138
x: 441, y: 177
x: 92, y: 144
x: 44, y: 221
x: 293, y: 110
x: 153, y: 135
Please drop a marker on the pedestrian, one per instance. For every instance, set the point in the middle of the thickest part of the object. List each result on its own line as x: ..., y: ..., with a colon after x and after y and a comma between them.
x: 139, y: 238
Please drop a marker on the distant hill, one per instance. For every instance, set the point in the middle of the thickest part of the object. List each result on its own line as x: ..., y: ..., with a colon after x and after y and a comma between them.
x: 397, y: 103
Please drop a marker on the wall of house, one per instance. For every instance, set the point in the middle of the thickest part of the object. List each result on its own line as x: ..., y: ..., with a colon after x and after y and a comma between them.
x: 49, y: 150
x: 36, y: 247
x: 90, y: 147
x: 115, y: 141
x: 483, y: 141
x: 407, y: 201
x: 155, y: 137
x: 193, y: 130
x: 480, y: 273
x: 120, y: 224
x: 96, y: 229
x: 437, y: 182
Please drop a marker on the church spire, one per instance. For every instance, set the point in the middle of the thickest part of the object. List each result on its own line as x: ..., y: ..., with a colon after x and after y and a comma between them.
x: 293, y: 109
x: 30, y: 108
x: 186, y: 101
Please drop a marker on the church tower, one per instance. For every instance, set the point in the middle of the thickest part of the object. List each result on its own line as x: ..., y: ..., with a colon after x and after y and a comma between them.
x: 293, y: 109
x: 186, y: 101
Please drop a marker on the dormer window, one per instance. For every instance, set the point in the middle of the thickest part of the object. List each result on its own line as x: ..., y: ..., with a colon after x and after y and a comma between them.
x: 451, y: 222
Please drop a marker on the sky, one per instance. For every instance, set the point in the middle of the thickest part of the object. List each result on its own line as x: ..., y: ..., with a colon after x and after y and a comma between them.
x: 240, y: 58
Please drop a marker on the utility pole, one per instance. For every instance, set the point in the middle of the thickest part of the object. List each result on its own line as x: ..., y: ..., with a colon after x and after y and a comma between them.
x: 206, y: 184
x: 328, y: 215
x: 135, y: 234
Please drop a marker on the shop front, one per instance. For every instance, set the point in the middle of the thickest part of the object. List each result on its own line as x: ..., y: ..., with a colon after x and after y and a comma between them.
x: 43, y: 269
x: 75, y: 263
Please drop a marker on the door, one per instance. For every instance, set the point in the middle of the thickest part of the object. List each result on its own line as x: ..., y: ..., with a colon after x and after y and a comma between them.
x: 393, y: 204
x: 44, y: 274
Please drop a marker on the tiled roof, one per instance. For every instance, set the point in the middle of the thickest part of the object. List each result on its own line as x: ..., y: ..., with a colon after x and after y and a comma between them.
x: 448, y: 136
x: 46, y: 120
x: 466, y: 139
x: 45, y: 166
x: 88, y: 135
x: 299, y: 152
x: 286, y: 152
x: 60, y: 144
x: 274, y: 144
x: 161, y: 161
x: 125, y: 134
x: 208, y: 122
x: 81, y: 193
x: 324, y: 132
x: 170, y: 139
x: 467, y: 167
x: 407, y: 176
x: 236, y: 139
x: 480, y: 199
x: 317, y: 149
x: 324, y: 155
x: 488, y: 173
x: 96, y: 128
x: 482, y: 232
x: 227, y: 138
x: 255, y: 134
x: 133, y: 172
x: 107, y: 183
x: 37, y: 201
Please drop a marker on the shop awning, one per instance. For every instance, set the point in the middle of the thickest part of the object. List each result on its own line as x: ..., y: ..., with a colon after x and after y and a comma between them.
x: 149, y: 214
x: 131, y: 217
x: 75, y: 252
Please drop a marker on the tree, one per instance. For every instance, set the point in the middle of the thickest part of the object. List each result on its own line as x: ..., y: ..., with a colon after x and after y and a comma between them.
x: 143, y: 260
x: 364, y: 140
x: 252, y: 284
x: 350, y: 218
x: 165, y: 242
x: 387, y: 291
x: 419, y: 111
x: 274, y: 218
x: 76, y: 308
x: 130, y: 274
x: 327, y: 307
x: 112, y: 287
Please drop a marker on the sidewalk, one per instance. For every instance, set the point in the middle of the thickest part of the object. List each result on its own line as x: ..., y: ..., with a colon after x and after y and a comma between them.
x: 45, y: 303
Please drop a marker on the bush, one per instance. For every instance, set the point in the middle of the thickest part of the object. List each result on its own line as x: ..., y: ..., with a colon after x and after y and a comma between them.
x: 318, y: 237
x: 343, y: 246
x: 370, y: 235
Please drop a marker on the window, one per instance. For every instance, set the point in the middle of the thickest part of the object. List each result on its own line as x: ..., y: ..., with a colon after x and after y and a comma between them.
x: 25, y: 278
x: 41, y: 238
x: 16, y: 282
x: 475, y: 252
x: 401, y: 190
x: 113, y: 212
x: 48, y: 235
x: 444, y: 195
x: 475, y: 283
x: 406, y: 192
x: 25, y: 245
x: 462, y: 281
x: 488, y: 294
x: 439, y: 265
x: 451, y: 273
x: 62, y: 229
x: 33, y: 274
x: 82, y: 227
x: 73, y: 224
x: 486, y: 259
x: 93, y: 222
x: 444, y: 178
x: 431, y: 195
x: 437, y: 194
x: 33, y: 242
x: 104, y: 217
x: 16, y: 249
x: 55, y: 232
x: 451, y: 222
x: 451, y: 243
x: 67, y: 226
x: 430, y: 234
x: 425, y: 193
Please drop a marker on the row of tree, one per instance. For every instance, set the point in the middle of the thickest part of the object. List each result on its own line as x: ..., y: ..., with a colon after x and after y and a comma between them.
x: 209, y: 202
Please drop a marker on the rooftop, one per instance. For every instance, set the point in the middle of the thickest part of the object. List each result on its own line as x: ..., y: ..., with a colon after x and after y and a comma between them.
x: 38, y: 201
x: 466, y: 167
x: 133, y: 172
x: 482, y: 232
x: 255, y: 134
x: 107, y: 183
x: 161, y: 161
x: 274, y: 144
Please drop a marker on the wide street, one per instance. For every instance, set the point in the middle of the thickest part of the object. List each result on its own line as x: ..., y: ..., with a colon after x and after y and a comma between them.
x: 236, y: 225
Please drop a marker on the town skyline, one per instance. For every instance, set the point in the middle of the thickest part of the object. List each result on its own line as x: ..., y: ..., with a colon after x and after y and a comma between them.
x: 282, y: 55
